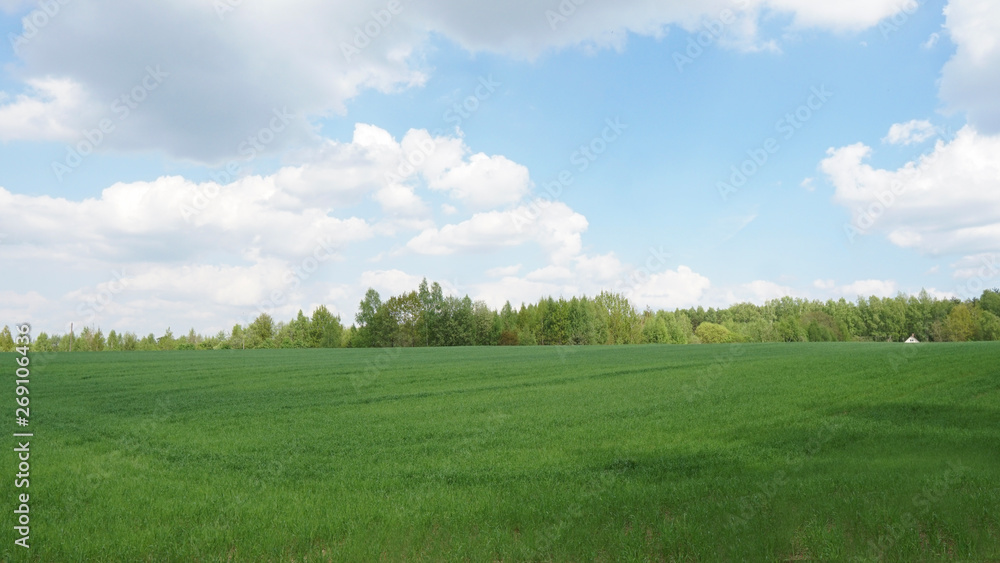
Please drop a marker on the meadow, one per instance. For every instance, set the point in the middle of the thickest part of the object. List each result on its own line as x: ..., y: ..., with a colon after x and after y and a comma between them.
x: 762, y: 452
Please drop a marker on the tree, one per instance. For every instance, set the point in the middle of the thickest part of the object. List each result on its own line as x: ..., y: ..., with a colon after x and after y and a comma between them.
x: 988, y: 326
x: 457, y: 322
x: 299, y: 331
x: 98, y: 343
x: 130, y: 342
x: 166, y: 342
x: 325, y: 330
x: 485, y: 325
x: 432, y: 305
x: 148, y: 343
x: 555, y: 322
x: 654, y: 329
x: 369, y: 333
x: 960, y: 325
x: 820, y: 327
x: 621, y: 318
x: 42, y: 343
x: 6, y: 340
x: 260, y: 333
x: 711, y: 333
x: 238, y: 338
x: 582, y: 324
x: 83, y: 342
x: 790, y: 329
x: 114, y: 341
x: 990, y: 301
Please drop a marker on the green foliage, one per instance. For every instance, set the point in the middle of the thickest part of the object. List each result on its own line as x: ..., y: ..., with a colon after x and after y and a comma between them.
x: 260, y: 333
x: 960, y: 325
x: 426, y: 317
x: 6, y: 340
x: 711, y: 333
x: 619, y: 316
x: 990, y: 301
x: 325, y: 330
x: 654, y: 329
x: 789, y: 329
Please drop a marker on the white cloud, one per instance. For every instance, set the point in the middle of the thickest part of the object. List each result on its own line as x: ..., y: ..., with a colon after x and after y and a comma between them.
x: 869, y: 288
x: 519, y: 290
x: 915, y: 131
x: 848, y: 15
x: 484, y: 182
x: 390, y: 282
x: 553, y: 226
x: 298, y: 55
x: 601, y: 268
x: 945, y: 202
x: 971, y: 79
x: 824, y: 284
x: 550, y: 274
x: 670, y: 289
x: 503, y: 271
x: 17, y: 307
x: 44, y: 113
x: 757, y: 292
x: 985, y: 266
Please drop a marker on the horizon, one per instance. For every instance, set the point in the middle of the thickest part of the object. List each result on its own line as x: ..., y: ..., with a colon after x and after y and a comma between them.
x: 182, y: 166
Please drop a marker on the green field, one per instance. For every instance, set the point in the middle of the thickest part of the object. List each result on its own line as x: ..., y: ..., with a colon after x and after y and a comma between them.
x: 858, y: 452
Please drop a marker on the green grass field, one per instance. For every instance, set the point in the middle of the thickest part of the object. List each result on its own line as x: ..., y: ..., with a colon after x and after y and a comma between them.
x: 852, y: 452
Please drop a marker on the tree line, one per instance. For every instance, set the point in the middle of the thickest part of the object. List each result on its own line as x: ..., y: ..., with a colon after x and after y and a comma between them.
x: 426, y: 317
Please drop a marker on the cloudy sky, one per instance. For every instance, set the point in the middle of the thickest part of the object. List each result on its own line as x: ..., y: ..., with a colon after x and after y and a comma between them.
x: 190, y: 163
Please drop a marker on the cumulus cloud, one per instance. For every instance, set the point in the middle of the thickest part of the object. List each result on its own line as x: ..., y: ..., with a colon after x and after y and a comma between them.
x: 225, y: 72
x: 484, y: 182
x: 971, y: 79
x: 555, y: 227
x: 869, y: 288
x: 44, y: 112
x: 390, y: 282
x: 670, y: 289
x: 945, y: 202
x: 911, y: 132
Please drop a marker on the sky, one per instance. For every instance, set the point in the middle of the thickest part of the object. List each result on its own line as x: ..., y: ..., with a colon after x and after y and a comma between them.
x: 195, y: 163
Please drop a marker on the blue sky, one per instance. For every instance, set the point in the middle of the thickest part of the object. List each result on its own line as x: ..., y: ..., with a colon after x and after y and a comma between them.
x: 352, y: 169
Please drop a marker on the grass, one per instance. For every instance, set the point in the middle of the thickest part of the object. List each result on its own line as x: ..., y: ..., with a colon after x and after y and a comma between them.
x: 860, y: 452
